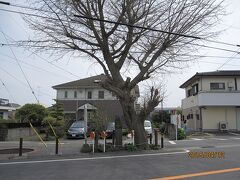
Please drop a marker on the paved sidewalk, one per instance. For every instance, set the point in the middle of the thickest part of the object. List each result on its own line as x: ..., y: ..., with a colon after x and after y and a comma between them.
x: 66, y: 148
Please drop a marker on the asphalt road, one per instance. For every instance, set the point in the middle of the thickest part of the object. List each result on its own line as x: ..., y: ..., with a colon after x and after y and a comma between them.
x: 141, y: 166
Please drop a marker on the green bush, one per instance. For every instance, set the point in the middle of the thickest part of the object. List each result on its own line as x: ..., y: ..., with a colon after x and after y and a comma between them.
x: 153, y: 147
x: 86, y: 148
x: 181, y: 134
x: 130, y: 147
x: 8, y: 121
x: 58, y: 126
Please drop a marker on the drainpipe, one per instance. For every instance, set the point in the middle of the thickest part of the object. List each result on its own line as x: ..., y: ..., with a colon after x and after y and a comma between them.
x: 200, y: 117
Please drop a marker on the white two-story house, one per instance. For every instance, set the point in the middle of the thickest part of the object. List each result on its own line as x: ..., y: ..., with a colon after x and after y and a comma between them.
x: 212, y: 101
x: 7, y: 109
x: 76, y: 94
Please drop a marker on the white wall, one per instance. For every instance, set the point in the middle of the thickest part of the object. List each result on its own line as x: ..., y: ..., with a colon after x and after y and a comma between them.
x: 219, y: 98
x: 207, y: 80
x: 211, y: 117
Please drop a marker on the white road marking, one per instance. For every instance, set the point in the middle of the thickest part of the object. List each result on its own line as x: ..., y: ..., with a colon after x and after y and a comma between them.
x: 94, y: 158
x: 50, y: 143
x: 196, y: 139
x: 220, y: 139
x: 235, y: 138
x: 171, y: 142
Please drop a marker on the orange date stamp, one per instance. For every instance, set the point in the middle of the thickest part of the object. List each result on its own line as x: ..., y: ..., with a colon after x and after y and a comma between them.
x: 207, y: 155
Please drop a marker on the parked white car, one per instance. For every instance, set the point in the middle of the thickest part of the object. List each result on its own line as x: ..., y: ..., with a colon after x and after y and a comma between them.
x: 148, y: 127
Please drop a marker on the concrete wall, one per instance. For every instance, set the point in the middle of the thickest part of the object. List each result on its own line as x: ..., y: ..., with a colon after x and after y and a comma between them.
x: 211, y: 117
x: 15, y: 133
x: 192, y: 123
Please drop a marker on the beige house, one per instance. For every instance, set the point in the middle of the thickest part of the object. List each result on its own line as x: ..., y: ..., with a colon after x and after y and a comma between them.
x: 212, y: 101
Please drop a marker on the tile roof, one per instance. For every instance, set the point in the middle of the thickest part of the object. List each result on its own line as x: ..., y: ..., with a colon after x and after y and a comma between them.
x: 212, y: 73
x: 86, y: 82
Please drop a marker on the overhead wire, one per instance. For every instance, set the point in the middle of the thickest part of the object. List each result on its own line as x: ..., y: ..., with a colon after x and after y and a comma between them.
x: 125, y: 24
x: 33, y: 66
x: 211, y: 47
x: 8, y: 91
x: 119, y: 23
x: 20, y: 67
x: 227, y: 61
x: 21, y: 82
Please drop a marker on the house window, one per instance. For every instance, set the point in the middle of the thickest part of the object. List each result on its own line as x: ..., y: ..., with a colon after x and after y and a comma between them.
x: 195, y: 89
x: 189, y: 93
x: 1, y: 115
x: 75, y: 94
x: 89, y: 95
x: 65, y: 94
x: 100, y: 94
x: 197, y: 116
x: 214, y: 86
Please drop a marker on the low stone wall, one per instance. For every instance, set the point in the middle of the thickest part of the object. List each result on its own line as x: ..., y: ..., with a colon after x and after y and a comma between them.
x: 15, y: 133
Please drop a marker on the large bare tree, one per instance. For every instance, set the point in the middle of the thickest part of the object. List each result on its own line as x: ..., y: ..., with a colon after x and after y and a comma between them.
x: 144, y: 36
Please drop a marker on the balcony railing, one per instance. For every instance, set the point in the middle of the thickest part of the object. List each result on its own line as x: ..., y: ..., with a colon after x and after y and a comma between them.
x: 213, y: 98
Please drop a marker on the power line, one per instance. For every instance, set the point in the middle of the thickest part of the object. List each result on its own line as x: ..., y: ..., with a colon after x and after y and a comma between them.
x: 209, y: 56
x: 59, y: 67
x: 200, y: 45
x: 223, y: 49
x: 228, y: 60
x: 21, y: 82
x: 212, y: 47
x: 9, y: 93
x: 33, y: 66
x: 21, y: 69
x: 217, y: 63
x: 113, y: 22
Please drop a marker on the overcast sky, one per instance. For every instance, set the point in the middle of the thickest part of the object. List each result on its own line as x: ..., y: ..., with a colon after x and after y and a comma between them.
x: 43, y: 71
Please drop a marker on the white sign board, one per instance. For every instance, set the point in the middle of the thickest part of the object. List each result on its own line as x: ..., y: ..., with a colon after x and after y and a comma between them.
x: 176, y: 120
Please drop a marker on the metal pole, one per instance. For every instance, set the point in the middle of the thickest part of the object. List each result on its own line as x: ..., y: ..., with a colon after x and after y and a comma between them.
x: 162, y: 141
x: 177, y: 128
x: 150, y: 138
x: 113, y: 138
x: 133, y: 136
x: 156, y: 136
x: 56, y: 147
x: 86, y: 120
x: 93, y: 144
x: 20, y: 146
x: 77, y: 110
x: 104, y: 145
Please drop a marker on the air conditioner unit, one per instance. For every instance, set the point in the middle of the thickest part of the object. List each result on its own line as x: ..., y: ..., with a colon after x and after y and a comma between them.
x: 223, y: 126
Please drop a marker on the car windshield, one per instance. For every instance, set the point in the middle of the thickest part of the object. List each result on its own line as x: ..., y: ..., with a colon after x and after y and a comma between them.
x: 147, y: 124
x: 111, y: 126
x: 78, y: 124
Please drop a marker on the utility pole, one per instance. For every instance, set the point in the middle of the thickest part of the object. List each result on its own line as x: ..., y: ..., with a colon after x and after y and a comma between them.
x: 86, y: 120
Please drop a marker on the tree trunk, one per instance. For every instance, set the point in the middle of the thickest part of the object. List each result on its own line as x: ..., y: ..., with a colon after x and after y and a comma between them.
x: 140, y: 137
x: 118, y: 133
x: 133, y: 122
